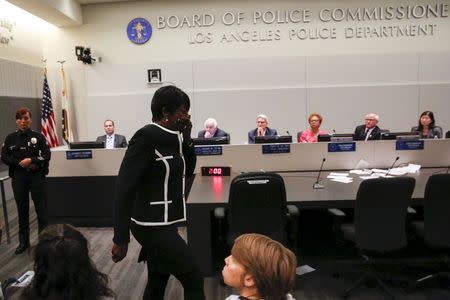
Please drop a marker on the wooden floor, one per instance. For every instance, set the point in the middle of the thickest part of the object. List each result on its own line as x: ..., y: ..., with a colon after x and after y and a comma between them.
x: 128, y: 278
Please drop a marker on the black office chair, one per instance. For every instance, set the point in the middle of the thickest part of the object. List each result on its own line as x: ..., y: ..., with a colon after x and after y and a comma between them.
x: 447, y: 135
x: 435, y: 229
x: 380, y: 223
x: 257, y: 204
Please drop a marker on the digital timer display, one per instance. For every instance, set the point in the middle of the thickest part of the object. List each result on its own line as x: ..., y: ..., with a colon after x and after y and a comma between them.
x: 216, y: 171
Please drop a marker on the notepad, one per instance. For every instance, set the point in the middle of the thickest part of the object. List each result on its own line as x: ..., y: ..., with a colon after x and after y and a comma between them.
x: 305, y: 269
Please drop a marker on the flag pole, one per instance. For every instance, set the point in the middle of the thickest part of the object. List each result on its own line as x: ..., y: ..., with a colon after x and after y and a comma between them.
x: 44, y: 65
x: 66, y: 131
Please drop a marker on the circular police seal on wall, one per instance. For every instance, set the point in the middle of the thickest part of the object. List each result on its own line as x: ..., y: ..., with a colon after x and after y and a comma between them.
x: 139, y: 31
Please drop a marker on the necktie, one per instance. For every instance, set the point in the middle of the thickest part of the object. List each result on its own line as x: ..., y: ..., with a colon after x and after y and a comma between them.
x: 367, y: 134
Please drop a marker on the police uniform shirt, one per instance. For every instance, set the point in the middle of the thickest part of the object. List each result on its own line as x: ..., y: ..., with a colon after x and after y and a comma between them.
x: 26, y: 144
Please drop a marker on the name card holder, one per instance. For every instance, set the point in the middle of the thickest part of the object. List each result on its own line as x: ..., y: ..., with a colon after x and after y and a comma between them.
x: 208, y: 150
x: 342, y: 147
x: 409, y: 145
x: 79, y: 154
x: 276, y: 148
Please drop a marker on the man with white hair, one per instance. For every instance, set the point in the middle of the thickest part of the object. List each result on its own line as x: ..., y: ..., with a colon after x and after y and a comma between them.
x: 261, y: 129
x: 211, y: 130
x: 369, y: 131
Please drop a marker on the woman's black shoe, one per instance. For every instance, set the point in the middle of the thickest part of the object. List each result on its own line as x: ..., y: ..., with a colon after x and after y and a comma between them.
x: 21, y: 248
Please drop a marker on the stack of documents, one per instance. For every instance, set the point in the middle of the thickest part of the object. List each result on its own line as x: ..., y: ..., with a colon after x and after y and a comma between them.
x: 340, y: 177
x: 376, y: 173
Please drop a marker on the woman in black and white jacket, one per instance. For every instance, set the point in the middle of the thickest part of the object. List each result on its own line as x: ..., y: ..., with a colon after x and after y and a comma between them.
x: 150, y: 195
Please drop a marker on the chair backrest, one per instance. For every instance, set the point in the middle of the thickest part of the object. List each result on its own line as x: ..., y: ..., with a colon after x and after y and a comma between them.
x: 380, y: 213
x: 299, y: 134
x: 257, y: 204
x: 447, y: 135
x: 437, y: 211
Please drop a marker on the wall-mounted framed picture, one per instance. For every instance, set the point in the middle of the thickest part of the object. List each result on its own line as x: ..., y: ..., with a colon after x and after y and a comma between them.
x: 154, y: 76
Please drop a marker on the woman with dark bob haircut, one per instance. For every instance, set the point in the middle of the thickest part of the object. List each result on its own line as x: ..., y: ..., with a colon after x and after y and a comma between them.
x: 63, y: 268
x: 151, y: 196
x: 427, y: 127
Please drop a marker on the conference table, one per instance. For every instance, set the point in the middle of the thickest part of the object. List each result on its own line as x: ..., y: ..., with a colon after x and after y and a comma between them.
x: 81, y: 183
x: 210, y: 192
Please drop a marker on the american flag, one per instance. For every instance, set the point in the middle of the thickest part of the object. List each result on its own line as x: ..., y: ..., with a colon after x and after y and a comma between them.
x: 48, y: 117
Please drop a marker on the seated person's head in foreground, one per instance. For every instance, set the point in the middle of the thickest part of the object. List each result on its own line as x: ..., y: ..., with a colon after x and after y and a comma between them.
x: 210, y: 127
x: 63, y: 268
x: 260, y: 268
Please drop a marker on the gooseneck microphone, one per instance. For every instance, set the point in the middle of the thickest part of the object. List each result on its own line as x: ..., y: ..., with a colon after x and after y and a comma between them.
x: 317, y: 185
x: 396, y: 159
x: 287, y: 132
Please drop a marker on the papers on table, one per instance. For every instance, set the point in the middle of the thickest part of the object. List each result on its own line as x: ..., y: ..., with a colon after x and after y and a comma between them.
x: 361, y: 172
x: 304, y: 269
x: 373, y: 173
x: 340, y: 177
x: 337, y: 174
x: 343, y: 179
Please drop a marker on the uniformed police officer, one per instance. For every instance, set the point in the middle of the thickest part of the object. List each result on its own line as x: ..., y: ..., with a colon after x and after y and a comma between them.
x: 26, y: 153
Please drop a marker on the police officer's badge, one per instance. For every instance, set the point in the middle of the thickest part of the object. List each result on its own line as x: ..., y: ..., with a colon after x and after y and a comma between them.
x: 139, y: 31
x: 33, y: 140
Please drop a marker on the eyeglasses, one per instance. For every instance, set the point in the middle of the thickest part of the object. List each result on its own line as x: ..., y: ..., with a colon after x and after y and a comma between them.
x: 373, y: 120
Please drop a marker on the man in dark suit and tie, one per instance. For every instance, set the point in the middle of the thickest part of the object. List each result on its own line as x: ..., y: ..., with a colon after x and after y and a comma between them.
x: 261, y: 129
x: 211, y: 130
x: 369, y: 131
x: 111, y: 139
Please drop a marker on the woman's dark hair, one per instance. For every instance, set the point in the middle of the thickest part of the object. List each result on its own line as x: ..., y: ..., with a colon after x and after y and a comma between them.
x: 63, y: 268
x: 168, y: 99
x: 429, y: 114
x: 22, y: 111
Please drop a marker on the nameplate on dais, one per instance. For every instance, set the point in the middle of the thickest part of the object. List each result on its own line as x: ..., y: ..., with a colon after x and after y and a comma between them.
x: 342, y: 147
x: 79, y: 154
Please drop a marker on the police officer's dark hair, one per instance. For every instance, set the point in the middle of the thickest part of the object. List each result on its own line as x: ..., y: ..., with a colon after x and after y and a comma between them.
x: 168, y: 99
x: 22, y: 111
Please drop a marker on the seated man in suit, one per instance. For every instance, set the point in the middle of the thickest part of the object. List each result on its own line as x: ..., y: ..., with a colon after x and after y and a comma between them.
x: 368, y: 131
x: 211, y: 130
x: 111, y: 139
x: 261, y: 129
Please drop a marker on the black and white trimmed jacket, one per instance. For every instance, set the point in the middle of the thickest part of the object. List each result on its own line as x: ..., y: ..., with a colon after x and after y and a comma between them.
x: 150, y: 187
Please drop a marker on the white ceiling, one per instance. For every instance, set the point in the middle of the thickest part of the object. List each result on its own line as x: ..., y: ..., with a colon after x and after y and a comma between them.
x: 83, y: 2
x: 58, y: 12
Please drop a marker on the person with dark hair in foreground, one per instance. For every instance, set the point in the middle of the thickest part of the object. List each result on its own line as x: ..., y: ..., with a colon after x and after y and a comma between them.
x: 63, y: 268
x: 260, y: 268
x: 150, y: 195
x: 427, y: 127
x: 27, y: 155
